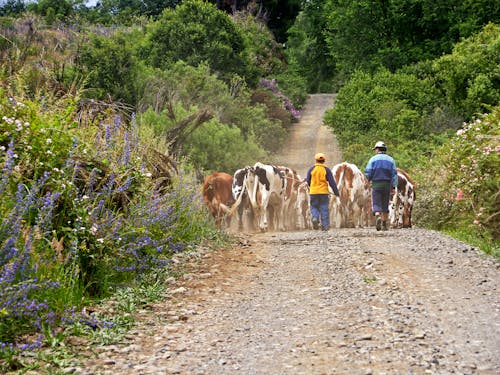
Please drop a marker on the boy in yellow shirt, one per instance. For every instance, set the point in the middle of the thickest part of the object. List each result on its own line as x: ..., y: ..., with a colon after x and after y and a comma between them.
x: 319, y: 176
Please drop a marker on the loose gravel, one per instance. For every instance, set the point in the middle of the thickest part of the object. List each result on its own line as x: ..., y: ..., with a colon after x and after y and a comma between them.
x: 348, y: 301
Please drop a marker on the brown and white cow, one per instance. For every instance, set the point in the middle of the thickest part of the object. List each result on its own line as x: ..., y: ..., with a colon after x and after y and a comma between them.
x: 293, y: 181
x: 350, y: 209
x: 265, y: 186
x: 401, y: 205
x: 302, y: 206
x: 218, y: 196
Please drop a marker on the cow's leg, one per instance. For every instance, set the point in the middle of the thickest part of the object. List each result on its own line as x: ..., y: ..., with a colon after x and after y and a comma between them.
x: 282, y: 218
x: 401, y: 207
x: 394, y: 211
x: 241, y: 208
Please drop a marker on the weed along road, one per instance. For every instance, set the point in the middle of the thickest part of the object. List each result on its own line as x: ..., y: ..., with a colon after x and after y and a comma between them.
x: 346, y: 301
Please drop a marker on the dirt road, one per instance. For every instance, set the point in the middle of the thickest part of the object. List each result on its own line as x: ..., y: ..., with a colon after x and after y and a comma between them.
x: 347, y: 301
x: 310, y: 136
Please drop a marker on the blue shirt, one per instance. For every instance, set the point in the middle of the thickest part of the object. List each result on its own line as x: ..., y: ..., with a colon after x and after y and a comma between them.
x: 382, y: 167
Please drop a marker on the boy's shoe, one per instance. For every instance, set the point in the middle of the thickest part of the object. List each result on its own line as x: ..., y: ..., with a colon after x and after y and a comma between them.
x: 384, y: 225
x: 315, y: 223
x: 378, y: 223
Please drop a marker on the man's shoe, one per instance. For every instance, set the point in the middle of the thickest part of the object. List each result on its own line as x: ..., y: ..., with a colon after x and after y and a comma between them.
x: 324, y: 229
x: 315, y: 223
x: 384, y: 225
x: 378, y: 223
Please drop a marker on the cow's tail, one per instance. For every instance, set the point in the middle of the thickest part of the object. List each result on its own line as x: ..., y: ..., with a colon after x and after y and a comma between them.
x: 236, y: 204
x: 341, y: 180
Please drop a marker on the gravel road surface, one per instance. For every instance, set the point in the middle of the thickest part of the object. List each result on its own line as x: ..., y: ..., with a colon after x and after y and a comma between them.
x: 347, y: 301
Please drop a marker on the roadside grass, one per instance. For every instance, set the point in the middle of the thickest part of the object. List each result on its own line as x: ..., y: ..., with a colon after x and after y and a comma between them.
x: 474, y: 238
x: 107, y: 321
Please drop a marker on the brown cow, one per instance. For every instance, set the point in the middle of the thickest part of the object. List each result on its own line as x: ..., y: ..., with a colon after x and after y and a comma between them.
x: 218, y: 196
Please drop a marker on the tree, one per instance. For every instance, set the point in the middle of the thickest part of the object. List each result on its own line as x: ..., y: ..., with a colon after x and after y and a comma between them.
x: 111, y: 68
x: 469, y: 75
x: 196, y: 32
x: 53, y: 10
x: 12, y: 8
x: 307, y: 51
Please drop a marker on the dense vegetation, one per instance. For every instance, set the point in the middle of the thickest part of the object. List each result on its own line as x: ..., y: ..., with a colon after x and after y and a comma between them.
x: 110, y: 114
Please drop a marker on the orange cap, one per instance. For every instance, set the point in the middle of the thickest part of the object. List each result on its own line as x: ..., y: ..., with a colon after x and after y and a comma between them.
x: 319, y: 157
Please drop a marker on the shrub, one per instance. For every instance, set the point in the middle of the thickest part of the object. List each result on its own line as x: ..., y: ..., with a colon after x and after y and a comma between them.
x: 469, y: 75
x: 459, y: 186
x: 79, y: 216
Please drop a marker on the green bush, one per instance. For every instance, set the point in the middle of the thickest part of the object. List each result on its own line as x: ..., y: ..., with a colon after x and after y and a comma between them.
x: 110, y: 68
x: 393, y: 107
x: 469, y: 75
x: 459, y: 185
x: 196, y: 32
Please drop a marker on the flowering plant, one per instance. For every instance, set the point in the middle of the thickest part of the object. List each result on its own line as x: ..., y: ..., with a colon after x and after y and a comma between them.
x: 462, y: 180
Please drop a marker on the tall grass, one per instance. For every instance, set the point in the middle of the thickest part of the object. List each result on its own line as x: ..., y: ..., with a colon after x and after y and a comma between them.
x: 80, y: 216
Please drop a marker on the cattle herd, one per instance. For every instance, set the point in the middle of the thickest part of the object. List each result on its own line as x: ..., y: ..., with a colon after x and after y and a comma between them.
x: 269, y: 197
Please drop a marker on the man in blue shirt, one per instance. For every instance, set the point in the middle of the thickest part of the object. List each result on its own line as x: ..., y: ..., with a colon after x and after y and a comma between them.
x: 381, y: 172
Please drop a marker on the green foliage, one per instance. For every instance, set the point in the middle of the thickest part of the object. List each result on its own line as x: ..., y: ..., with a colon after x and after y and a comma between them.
x: 219, y: 147
x: 470, y: 74
x: 331, y: 39
x: 263, y: 50
x: 392, y: 107
x: 197, y: 32
x: 248, y: 127
x: 213, y: 146
x: 12, y: 8
x: 307, y: 52
x: 459, y: 186
x: 52, y: 10
x: 110, y: 68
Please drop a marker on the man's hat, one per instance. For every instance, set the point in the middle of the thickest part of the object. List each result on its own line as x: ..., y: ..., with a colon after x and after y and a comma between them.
x: 319, y: 157
x: 381, y: 145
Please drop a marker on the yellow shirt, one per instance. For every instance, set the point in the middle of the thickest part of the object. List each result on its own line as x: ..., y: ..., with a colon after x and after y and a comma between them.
x: 319, y: 182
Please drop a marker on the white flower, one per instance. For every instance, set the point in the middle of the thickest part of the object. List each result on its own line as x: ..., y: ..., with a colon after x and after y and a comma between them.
x: 17, y: 168
x: 93, y: 229
x: 49, y: 141
x: 48, y: 152
x: 101, y: 240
